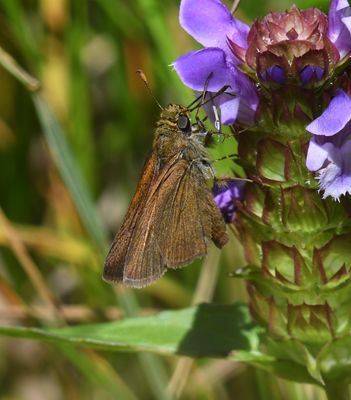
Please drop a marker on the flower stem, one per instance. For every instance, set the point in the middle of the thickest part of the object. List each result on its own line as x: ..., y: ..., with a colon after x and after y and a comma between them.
x: 336, y: 390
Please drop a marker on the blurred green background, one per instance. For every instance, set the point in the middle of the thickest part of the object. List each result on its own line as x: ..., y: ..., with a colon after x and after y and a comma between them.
x: 62, y: 202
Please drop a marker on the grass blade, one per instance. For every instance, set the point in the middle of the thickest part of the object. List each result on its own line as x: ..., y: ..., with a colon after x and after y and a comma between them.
x: 70, y: 172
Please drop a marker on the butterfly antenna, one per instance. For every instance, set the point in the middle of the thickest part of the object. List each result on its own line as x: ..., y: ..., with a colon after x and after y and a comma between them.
x: 210, y: 98
x: 195, y: 101
x: 202, y: 95
x: 142, y: 76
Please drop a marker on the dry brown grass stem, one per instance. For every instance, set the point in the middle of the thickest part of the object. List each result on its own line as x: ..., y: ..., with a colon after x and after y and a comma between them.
x: 30, y: 267
x: 11, y: 65
x: 71, y: 313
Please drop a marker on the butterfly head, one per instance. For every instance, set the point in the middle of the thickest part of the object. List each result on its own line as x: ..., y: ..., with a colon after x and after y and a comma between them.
x: 176, y: 136
x: 176, y: 118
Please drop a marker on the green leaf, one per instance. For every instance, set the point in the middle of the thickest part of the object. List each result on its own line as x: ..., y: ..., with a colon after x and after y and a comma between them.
x: 203, y: 330
x: 293, y: 361
x: 335, y: 360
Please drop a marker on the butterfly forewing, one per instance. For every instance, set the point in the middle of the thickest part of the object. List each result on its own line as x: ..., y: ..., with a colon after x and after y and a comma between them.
x: 115, y: 260
x: 145, y: 261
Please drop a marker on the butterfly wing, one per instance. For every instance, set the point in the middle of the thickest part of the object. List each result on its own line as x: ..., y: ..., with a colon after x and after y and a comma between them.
x: 185, y: 224
x: 115, y: 260
x: 145, y: 260
x: 191, y: 220
x: 177, y: 219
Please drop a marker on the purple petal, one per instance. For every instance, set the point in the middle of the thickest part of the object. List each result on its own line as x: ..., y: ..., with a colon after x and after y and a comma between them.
x: 339, y: 31
x: 319, y: 71
x: 317, y: 155
x: 210, y: 23
x: 246, y: 113
x: 334, y: 118
x: 334, y: 20
x: 347, y: 22
x: 330, y: 181
x: 226, y: 194
x: 275, y: 73
x: 306, y: 74
x: 232, y: 108
x: 248, y: 98
x: 309, y: 72
x: 229, y: 107
x: 195, y: 68
x: 247, y: 91
x: 335, y: 179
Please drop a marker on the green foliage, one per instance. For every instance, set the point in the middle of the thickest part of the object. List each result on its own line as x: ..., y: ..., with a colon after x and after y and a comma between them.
x: 206, y: 330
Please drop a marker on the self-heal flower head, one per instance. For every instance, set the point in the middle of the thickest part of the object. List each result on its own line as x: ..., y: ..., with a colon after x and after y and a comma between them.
x: 290, y: 47
x: 226, y: 194
x: 329, y: 150
x: 297, y: 47
x: 211, y: 24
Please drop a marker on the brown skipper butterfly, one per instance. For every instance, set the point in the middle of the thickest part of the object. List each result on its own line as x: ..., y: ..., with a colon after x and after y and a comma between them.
x: 172, y: 215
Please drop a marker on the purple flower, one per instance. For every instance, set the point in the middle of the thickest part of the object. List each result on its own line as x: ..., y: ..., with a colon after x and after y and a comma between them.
x: 226, y: 193
x: 339, y: 26
x: 212, y: 25
x: 329, y: 150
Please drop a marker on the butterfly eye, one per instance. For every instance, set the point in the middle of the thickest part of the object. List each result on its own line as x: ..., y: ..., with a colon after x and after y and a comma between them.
x: 183, y: 123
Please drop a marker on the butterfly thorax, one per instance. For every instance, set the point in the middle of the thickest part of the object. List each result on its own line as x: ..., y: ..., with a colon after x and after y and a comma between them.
x: 176, y: 138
